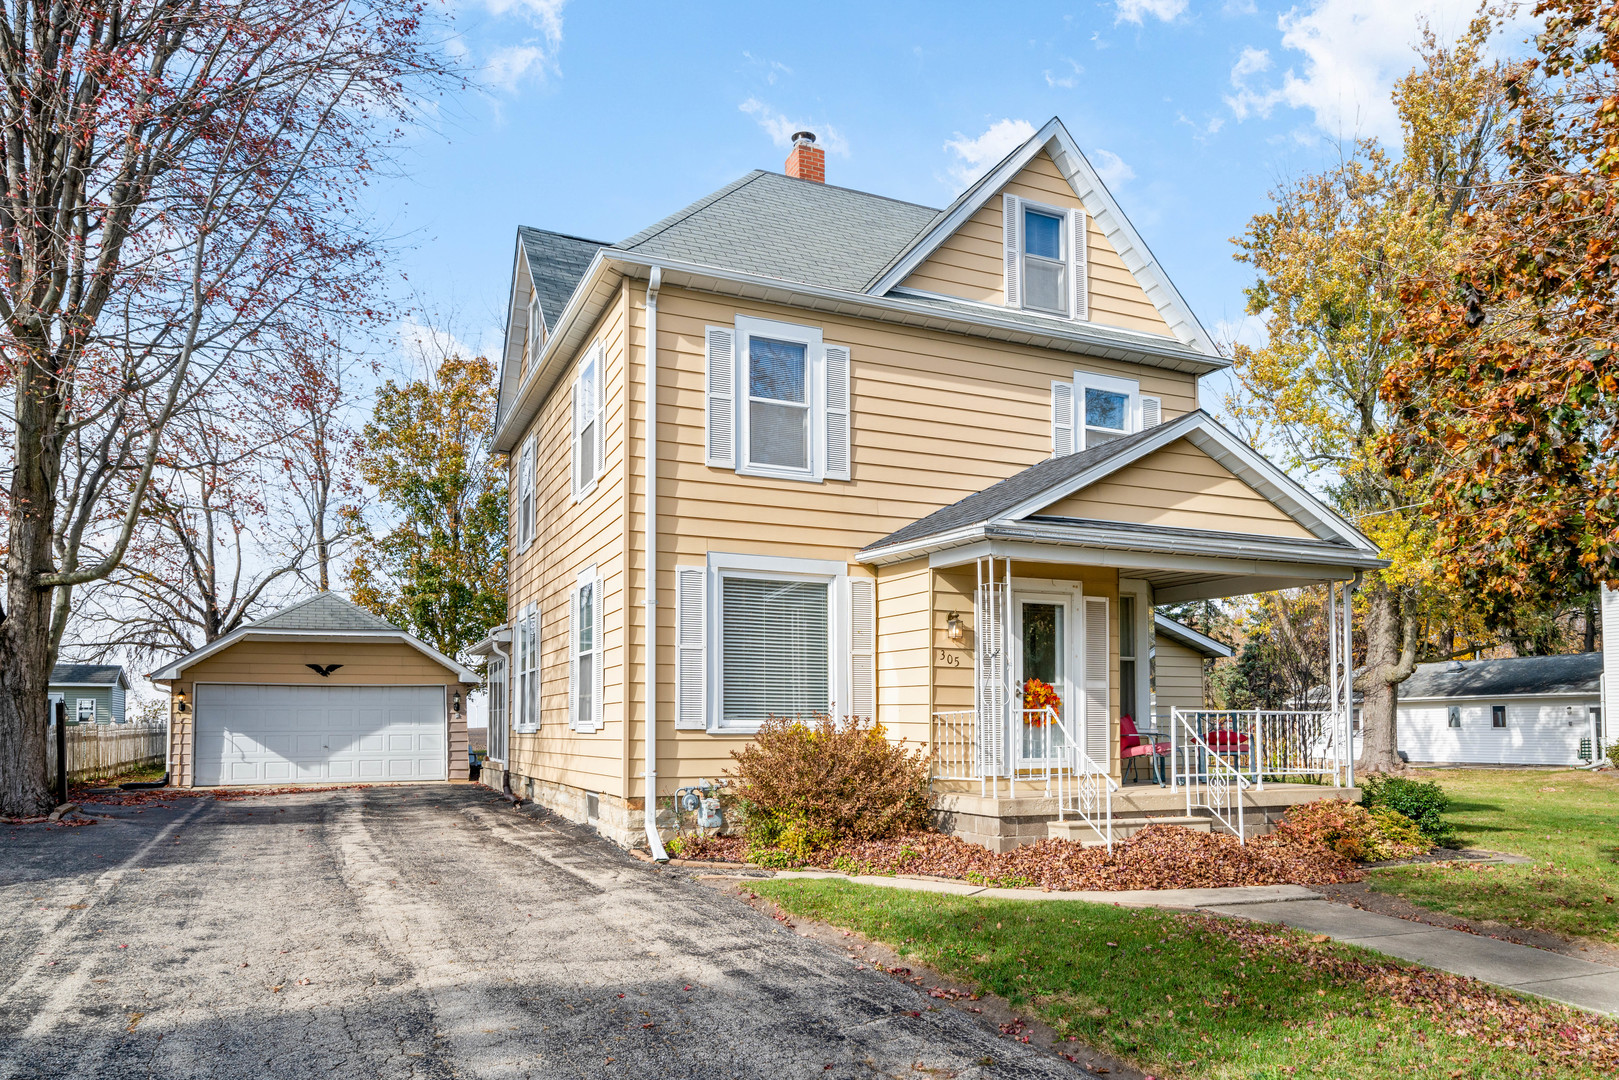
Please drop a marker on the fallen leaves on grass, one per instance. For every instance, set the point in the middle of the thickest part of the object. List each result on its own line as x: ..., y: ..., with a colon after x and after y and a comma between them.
x: 1157, y: 857
x: 1463, y: 1006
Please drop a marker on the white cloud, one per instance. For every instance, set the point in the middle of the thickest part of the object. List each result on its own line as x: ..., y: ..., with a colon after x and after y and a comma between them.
x: 506, y: 67
x: 1232, y: 9
x: 1136, y: 11
x: 772, y: 69
x: 1250, y: 330
x: 1111, y: 168
x: 1067, y: 80
x: 1250, y: 99
x: 1352, y: 52
x: 979, y: 154
x: 781, y: 129
x: 533, y: 57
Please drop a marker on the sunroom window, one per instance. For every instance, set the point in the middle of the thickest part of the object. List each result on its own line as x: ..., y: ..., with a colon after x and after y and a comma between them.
x: 1045, y: 268
x: 778, y: 403
x: 775, y: 648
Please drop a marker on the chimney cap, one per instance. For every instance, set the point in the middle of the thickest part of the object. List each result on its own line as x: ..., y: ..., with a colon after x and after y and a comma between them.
x: 803, y: 137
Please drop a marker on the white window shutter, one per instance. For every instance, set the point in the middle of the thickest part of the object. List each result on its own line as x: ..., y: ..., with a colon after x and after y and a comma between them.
x: 863, y: 648
x: 1152, y: 412
x: 573, y: 444
x: 690, y: 656
x: 837, y: 412
x: 1012, y: 242
x: 721, y: 391
x: 1062, y: 418
x: 599, y: 649
x: 1097, y: 708
x: 1078, y: 271
x: 599, y: 409
x: 573, y: 657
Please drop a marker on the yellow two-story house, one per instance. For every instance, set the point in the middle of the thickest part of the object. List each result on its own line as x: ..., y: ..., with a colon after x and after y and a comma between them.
x: 800, y: 449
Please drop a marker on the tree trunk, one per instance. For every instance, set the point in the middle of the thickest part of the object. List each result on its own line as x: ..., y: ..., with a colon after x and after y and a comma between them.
x: 26, y: 643
x: 1391, y: 650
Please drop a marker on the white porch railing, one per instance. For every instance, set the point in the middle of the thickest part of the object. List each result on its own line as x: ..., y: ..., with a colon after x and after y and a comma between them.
x: 1211, y: 779
x: 1303, y: 746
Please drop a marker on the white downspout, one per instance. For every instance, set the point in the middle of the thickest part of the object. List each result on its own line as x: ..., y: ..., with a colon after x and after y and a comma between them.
x: 653, y: 842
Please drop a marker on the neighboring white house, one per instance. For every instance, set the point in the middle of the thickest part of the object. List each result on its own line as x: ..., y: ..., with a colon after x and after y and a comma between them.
x: 1530, y: 710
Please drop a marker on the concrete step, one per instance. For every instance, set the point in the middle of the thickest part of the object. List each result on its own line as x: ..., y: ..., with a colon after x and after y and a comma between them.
x: 1074, y: 829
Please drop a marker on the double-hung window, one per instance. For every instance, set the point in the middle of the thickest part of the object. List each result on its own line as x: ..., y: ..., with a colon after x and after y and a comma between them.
x: 585, y: 653
x: 1045, y: 258
x: 1045, y: 268
x: 497, y: 709
x: 588, y: 444
x: 525, y: 494
x: 536, y: 327
x: 87, y: 710
x: 527, y: 717
x: 1097, y: 409
x: 775, y: 636
x: 777, y: 401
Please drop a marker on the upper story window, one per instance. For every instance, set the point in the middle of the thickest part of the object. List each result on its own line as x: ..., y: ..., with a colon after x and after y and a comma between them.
x: 1045, y: 258
x: 536, y: 326
x: 777, y: 401
x: 588, y: 443
x: 525, y: 494
x: 1097, y: 409
x: 1107, y: 415
x: 1045, y: 270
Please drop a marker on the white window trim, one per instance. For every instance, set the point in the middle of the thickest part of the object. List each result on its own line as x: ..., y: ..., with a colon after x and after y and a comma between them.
x: 586, y: 578
x: 78, y: 710
x: 536, y: 327
x: 499, y: 718
x: 1141, y: 591
x: 1085, y: 380
x: 518, y: 702
x: 748, y: 327
x: 721, y: 566
x: 595, y: 358
x: 526, y: 489
x: 1066, y: 258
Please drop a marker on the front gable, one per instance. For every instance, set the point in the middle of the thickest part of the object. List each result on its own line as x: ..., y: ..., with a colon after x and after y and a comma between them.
x: 968, y: 264
x: 1178, y: 486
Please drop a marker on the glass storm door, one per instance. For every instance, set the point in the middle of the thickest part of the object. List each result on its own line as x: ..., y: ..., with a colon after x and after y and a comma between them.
x: 1042, y: 678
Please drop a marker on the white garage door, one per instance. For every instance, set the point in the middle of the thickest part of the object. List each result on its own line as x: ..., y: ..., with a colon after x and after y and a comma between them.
x: 251, y: 734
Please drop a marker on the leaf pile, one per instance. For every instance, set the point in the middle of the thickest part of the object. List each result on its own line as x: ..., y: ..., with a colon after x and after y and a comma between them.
x: 1157, y: 857
x: 1464, y: 1006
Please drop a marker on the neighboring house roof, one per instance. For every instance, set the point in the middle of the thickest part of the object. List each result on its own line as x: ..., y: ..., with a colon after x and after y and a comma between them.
x: 322, y: 617
x: 557, y: 263
x: 89, y: 675
x: 1192, y: 639
x: 1522, y: 676
x: 1020, y: 497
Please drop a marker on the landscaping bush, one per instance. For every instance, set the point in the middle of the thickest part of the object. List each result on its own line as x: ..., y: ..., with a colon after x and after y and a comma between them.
x: 1613, y: 754
x: 1423, y: 801
x: 806, y: 786
x: 1353, y: 831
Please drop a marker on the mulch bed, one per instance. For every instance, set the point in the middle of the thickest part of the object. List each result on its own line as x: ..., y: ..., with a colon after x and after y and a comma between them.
x: 1157, y: 857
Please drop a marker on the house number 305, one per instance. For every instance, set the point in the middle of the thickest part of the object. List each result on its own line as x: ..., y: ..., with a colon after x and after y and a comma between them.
x: 949, y: 659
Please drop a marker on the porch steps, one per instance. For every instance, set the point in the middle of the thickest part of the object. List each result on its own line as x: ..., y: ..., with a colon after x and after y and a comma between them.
x: 1074, y: 829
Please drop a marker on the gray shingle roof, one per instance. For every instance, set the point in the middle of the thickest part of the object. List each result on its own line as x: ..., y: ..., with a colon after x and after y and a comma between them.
x: 87, y: 674
x: 796, y: 230
x: 323, y: 611
x: 557, y: 262
x: 1573, y: 674
x: 997, y: 499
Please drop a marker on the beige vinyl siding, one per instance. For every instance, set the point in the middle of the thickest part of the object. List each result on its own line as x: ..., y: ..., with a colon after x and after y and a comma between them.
x: 970, y: 263
x: 1179, y: 486
x: 1177, y: 678
x: 285, y: 663
x: 569, y: 537
x: 905, y: 650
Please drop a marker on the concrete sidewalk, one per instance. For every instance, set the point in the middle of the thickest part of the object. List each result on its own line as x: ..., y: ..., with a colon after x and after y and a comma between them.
x: 1567, y: 979
x: 1517, y: 967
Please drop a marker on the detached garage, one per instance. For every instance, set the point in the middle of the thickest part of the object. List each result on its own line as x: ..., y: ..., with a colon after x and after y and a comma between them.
x: 321, y: 692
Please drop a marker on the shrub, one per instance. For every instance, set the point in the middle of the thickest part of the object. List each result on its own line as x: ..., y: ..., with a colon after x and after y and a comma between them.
x: 1423, y: 801
x: 1613, y: 754
x: 1352, y: 831
x: 807, y: 785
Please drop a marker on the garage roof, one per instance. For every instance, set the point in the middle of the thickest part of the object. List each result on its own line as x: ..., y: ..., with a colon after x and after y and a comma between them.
x: 322, y: 617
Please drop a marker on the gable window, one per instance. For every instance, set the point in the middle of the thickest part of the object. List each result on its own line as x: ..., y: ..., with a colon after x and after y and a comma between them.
x: 527, y: 717
x: 525, y: 495
x: 1454, y: 716
x: 1498, y: 716
x: 587, y: 423
x: 1045, y: 272
x: 87, y: 710
x: 536, y: 326
x: 777, y: 401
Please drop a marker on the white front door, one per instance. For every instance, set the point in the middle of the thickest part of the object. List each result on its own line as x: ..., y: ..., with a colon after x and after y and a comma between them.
x: 1044, y: 676
x: 266, y: 734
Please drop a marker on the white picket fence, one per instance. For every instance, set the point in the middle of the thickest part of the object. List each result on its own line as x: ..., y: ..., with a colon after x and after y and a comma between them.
x: 95, y: 751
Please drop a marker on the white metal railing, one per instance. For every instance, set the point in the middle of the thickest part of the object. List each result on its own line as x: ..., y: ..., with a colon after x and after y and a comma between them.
x: 1308, y: 746
x: 952, y: 748
x: 1211, y: 779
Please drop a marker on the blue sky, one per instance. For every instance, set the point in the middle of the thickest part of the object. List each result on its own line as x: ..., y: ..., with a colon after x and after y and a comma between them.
x: 599, y: 119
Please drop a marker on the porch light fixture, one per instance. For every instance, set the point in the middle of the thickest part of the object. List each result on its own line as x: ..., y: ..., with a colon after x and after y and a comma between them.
x: 180, y: 703
x: 455, y: 703
x: 954, y: 628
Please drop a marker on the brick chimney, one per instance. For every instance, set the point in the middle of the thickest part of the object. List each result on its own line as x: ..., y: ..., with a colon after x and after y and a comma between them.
x: 807, y: 161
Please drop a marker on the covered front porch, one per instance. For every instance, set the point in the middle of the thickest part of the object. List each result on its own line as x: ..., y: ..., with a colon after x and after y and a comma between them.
x: 1052, y: 710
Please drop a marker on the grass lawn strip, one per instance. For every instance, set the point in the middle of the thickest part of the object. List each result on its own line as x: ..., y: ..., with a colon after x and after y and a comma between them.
x: 1198, y: 996
x: 1567, y: 821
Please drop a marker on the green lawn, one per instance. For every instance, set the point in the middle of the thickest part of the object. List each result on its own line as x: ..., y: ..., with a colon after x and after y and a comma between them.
x: 1179, y: 997
x: 1567, y: 821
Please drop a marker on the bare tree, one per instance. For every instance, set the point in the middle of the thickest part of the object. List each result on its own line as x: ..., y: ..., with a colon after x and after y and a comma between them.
x: 178, y: 218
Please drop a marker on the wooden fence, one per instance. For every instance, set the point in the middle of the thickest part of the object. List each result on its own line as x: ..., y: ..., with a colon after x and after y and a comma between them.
x: 95, y: 751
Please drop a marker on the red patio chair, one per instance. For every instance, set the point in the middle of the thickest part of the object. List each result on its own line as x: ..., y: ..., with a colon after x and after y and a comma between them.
x: 1134, y: 745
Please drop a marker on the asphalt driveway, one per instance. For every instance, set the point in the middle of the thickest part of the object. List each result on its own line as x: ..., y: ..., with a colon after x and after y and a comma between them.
x: 424, y: 932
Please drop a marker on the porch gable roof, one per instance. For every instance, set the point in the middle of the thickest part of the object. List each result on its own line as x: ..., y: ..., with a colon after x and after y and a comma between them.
x: 1022, y: 497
